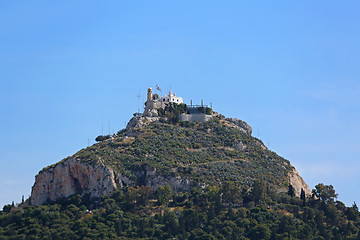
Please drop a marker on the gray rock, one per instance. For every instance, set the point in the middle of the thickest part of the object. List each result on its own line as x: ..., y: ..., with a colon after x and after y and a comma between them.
x: 240, y: 146
x: 239, y: 124
x: 139, y: 122
x: 298, y: 183
x: 72, y: 176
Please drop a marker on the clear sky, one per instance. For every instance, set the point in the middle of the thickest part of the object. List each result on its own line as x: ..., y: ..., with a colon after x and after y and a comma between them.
x: 71, y: 70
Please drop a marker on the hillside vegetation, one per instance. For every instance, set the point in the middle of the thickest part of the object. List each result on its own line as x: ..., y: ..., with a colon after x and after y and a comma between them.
x: 207, y: 153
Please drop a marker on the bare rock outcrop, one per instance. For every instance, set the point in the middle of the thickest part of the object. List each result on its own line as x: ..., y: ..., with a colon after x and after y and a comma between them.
x: 240, y: 146
x: 176, y: 182
x: 298, y: 183
x: 139, y: 122
x: 244, y: 127
x: 71, y: 177
x: 239, y: 124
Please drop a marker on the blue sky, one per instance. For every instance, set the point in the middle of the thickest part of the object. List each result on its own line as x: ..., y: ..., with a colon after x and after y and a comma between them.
x: 72, y: 70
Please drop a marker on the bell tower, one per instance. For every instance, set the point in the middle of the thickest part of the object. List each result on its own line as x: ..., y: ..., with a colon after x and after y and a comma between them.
x: 149, y: 95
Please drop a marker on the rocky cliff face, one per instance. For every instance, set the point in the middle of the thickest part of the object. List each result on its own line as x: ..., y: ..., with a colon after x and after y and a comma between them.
x: 71, y: 177
x: 298, y: 183
x: 153, y: 179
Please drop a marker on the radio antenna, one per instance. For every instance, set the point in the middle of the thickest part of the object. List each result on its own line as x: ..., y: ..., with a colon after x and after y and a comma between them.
x: 138, y: 96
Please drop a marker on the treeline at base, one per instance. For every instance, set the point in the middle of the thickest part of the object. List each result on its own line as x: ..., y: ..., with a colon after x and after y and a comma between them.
x: 224, y: 212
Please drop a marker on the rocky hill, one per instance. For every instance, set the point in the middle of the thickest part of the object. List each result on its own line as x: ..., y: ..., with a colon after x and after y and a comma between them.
x: 161, y: 178
x: 153, y: 152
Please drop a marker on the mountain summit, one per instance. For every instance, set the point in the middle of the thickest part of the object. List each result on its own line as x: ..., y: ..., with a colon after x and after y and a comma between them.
x: 170, y: 143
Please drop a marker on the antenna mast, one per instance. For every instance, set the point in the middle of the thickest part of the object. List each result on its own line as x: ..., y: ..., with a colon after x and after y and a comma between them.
x: 138, y: 96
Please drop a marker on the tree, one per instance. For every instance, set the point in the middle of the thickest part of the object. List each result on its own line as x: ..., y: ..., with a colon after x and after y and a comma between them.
x: 214, y: 194
x: 302, y: 195
x: 171, y: 223
x: 291, y: 191
x: 144, y: 194
x: 260, y: 231
x: 231, y: 193
x: 131, y: 195
x: 208, y: 111
x: 7, y: 208
x: 163, y: 194
x: 102, y: 138
x: 355, y: 207
x: 325, y: 193
x: 189, y: 219
x: 258, y: 191
x: 353, y: 212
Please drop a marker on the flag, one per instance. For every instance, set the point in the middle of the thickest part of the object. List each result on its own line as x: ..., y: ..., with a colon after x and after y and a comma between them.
x: 158, y: 88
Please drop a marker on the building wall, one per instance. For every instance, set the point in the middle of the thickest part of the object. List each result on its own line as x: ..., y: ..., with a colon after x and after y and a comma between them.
x: 155, y: 104
x: 199, y: 117
x: 173, y: 99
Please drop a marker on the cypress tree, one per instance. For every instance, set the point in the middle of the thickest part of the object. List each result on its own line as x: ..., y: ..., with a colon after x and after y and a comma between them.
x: 291, y: 191
x: 302, y: 194
x: 259, y: 191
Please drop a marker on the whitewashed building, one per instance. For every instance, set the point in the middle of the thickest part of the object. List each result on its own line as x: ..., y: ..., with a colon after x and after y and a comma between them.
x: 171, y: 98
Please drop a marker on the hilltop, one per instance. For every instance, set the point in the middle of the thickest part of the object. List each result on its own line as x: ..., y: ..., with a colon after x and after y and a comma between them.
x: 158, y: 148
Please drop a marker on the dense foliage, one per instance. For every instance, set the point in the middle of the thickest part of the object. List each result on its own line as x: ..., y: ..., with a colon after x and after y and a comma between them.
x: 222, y: 212
x: 102, y: 138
